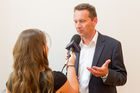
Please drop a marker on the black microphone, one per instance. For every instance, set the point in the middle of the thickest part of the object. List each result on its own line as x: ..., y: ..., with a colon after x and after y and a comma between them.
x: 74, y: 44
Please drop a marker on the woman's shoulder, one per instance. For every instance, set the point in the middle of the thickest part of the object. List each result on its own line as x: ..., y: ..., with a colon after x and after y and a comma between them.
x: 59, y: 79
x: 58, y: 74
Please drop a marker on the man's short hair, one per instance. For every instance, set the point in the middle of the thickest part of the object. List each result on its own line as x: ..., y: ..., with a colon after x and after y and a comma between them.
x: 86, y: 6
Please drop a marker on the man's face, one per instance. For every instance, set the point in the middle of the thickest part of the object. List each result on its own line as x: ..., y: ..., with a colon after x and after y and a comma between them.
x: 83, y: 23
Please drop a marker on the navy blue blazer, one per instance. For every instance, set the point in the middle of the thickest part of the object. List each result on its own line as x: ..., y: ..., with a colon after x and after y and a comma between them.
x: 106, y: 48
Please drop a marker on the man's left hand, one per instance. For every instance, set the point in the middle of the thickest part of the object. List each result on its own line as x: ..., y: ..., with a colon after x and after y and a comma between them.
x: 100, y: 71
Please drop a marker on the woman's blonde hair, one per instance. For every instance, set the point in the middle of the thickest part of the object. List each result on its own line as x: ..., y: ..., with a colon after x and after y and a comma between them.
x: 30, y: 58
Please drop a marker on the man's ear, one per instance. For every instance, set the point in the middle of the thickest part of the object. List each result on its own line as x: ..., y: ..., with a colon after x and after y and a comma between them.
x: 95, y: 20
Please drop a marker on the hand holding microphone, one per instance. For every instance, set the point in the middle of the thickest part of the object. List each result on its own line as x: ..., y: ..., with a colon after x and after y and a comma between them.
x: 72, y: 47
x: 74, y: 44
x: 70, y: 61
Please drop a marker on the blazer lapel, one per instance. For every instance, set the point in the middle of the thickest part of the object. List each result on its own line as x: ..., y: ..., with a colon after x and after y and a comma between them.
x: 98, y: 50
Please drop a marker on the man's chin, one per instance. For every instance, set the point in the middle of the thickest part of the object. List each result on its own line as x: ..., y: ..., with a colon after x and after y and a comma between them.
x: 80, y: 34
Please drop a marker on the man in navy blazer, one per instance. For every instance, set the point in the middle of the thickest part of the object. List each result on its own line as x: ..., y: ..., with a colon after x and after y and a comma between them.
x: 99, y: 65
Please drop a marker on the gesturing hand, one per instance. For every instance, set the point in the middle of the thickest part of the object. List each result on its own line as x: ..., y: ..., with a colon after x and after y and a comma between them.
x: 100, y: 71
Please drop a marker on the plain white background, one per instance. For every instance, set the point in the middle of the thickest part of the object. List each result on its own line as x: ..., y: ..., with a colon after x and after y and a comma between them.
x: 116, y: 18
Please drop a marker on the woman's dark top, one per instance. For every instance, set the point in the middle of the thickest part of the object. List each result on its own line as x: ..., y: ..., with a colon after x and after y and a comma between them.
x: 59, y: 81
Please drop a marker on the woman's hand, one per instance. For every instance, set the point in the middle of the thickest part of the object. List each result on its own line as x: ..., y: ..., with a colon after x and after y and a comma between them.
x: 71, y: 59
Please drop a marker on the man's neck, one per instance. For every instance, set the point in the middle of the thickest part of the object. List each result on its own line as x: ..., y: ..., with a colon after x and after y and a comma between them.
x: 88, y: 39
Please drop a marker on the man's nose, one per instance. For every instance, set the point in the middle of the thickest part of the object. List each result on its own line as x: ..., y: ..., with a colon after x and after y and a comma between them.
x: 78, y: 25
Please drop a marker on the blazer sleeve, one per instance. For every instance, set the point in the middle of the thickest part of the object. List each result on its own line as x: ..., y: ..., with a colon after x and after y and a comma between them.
x: 117, y: 72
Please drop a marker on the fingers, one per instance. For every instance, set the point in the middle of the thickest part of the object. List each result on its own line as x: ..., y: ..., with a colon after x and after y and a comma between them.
x: 107, y: 63
x: 68, y: 55
x: 72, y: 54
x: 94, y: 72
x: 97, y: 68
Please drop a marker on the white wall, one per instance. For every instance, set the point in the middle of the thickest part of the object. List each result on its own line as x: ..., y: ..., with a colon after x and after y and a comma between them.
x: 117, y: 18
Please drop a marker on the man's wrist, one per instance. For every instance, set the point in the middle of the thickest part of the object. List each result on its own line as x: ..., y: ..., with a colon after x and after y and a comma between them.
x: 104, y: 77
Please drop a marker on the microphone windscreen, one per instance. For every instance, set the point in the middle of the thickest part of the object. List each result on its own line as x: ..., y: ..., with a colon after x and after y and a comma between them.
x: 76, y: 38
x: 74, y: 43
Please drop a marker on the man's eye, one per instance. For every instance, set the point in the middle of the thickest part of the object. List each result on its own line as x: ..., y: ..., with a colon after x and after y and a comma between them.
x: 75, y: 21
x: 82, y: 21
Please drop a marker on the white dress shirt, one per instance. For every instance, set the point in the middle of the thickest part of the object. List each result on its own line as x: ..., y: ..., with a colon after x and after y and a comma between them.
x: 86, y: 58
